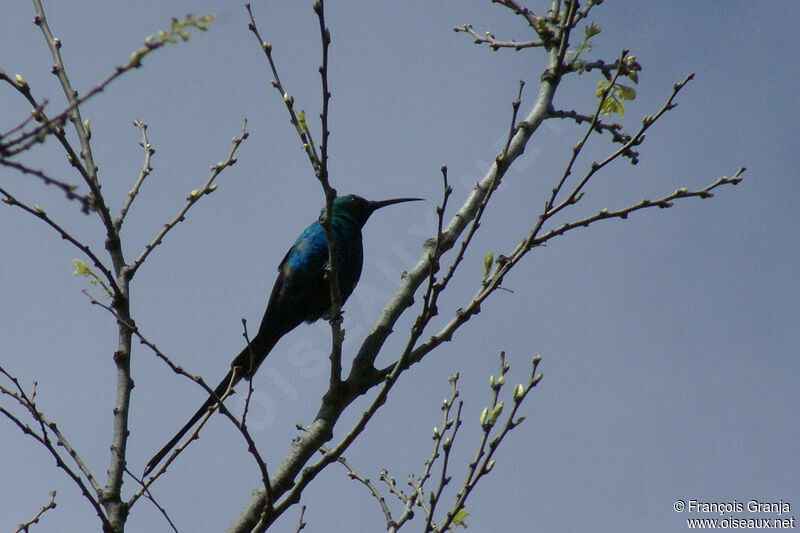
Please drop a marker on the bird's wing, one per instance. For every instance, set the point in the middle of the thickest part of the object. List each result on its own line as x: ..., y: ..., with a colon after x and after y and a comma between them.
x: 306, y: 260
x: 300, y: 278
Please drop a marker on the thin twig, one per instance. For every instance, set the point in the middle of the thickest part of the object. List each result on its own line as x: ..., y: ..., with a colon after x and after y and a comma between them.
x: 54, y: 127
x: 241, y: 426
x: 352, y: 474
x: 506, y: 262
x: 484, y: 462
x: 493, y: 43
x: 38, y: 114
x: 44, y: 439
x: 319, y: 163
x: 303, y: 133
x: 88, y: 170
x: 582, y: 142
x: 207, y: 188
x: 321, y: 171
x: 143, y: 173
x: 325, y: 38
x: 301, y: 524
x: 524, y: 12
x: 37, y: 135
x: 615, y: 129
x: 451, y: 426
x: 149, y: 495
x: 387, y: 377
x: 583, y: 12
x: 663, y: 202
x: 38, y: 212
x: 46, y: 425
x: 392, y: 484
x: 429, y: 309
x: 68, y: 188
x: 430, y: 300
x: 637, y: 139
x: 24, y: 526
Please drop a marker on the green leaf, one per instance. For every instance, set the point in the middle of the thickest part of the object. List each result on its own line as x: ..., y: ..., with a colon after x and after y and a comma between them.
x: 617, y: 94
x: 177, y: 29
x: 82, y: 269
x: 624, y: 92
x: 301, y: 120
x: 459, y: 518
x: 488, y: 259
x: 601, y: 87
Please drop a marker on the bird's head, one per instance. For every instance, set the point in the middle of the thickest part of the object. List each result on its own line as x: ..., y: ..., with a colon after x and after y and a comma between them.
x: 356, y: 209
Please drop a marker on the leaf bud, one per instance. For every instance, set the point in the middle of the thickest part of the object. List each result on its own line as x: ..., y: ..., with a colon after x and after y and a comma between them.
x: 495, y: 413
x: 519, y: 390
x: 22, y: 83
x: 484, y: 413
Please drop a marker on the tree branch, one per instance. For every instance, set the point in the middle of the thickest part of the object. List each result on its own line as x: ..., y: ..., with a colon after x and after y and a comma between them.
x: 493, y: 43
x: 24, y: 526
x: 240, y: 425
x: 300, y: 125
x: 451, y: 426
x: 27, y: 139
x: 663, y: 202
x: 487, y: 420
x: 143, y: 173
x: 284, y: 477
x: 207, y: 188
x: 352, y: 474
x: 39, y: 213
x: 293, y: 473
x: 319, y: 163
x: 89, y: 169
x: 45, y: 426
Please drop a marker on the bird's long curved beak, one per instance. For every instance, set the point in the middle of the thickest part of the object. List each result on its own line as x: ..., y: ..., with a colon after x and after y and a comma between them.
x: 383, y: 203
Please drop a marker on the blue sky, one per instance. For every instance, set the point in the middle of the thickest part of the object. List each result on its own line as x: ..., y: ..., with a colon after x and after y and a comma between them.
x: 669, y: 340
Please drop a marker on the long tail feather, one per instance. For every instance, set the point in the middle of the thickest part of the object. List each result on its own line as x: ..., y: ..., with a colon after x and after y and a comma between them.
x: 211, y: 401
x: 245, y: 364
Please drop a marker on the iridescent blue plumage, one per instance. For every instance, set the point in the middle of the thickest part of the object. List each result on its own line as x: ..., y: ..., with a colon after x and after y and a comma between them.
x: 301, y: 292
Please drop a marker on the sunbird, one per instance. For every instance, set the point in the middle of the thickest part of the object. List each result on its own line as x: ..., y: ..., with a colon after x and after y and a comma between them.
x: 301, y: 293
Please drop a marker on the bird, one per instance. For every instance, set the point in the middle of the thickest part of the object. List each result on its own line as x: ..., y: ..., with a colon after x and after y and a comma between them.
x: 301, y: 293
